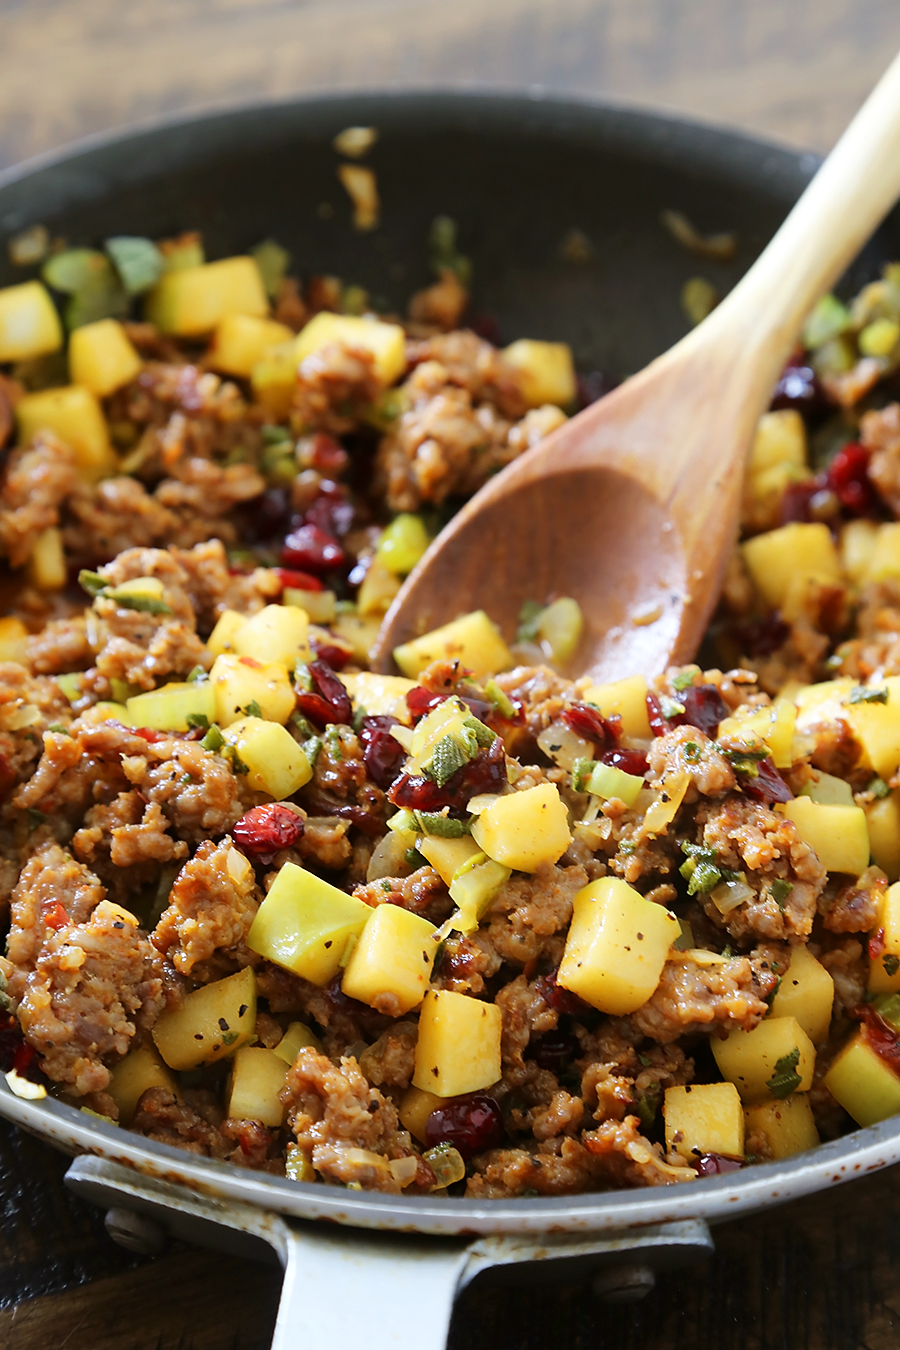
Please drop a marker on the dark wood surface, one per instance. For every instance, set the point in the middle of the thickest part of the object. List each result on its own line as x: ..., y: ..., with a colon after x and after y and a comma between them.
x: 819, y: 1274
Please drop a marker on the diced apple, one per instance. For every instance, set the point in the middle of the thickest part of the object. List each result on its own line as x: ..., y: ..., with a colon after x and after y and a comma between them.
x: 274, y: 761
x: 75, y: 416
x: 13, y: 640
x: 447, y: 719
x: 274, y: 379
x: 447, y: 855
x: 29, y: 323
x: 359, y: 633
x: 191, y: 301
x: 473, y: 640
x: 320, y: 606
x: 241, y: 341
x: 837, y: 834
x: 304, y: 924
x: 385, y: 341
x: 213, y: 1022
x: 378, y: 590
x: 256, y: 1080
x: 857, y: 543
x: 102, y: 357
x: 391, y: 963
x: 402, y: 544
x: 168, y: 708
x: 773, y: 726
x: 884, y: 969
x: 883, y: 820
x: 380, y: 695
x: 415, y: 1108
x: 297, y: 1037
x: 241, y: 681
x: 704, y: 1118
x: 525, y: 829
x: 884, y: 561
x: 788, y: 1127
x: 546, y: 371
x: 275, y: 633
x: 616, y: 946
x: 626, y: 699
x: 473, y: 888
x: 47, y: 561
x: 458, y: 1049
x: 827, y: 790
x: 223, y: 637
x: 660, y: 813
x: 775, y: 558
x: 768, y: 1055
x: 806, y: 992
x: 863, y: 1083
x: 780, y: 439
x: 877, y: 727
x: 139, y: 1070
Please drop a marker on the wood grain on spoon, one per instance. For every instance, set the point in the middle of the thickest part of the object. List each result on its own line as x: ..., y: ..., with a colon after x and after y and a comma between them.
x: 632, y: 506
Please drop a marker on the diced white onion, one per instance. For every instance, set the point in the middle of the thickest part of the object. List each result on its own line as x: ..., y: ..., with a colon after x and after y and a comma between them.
x: 729, y: 894
x: 403, y: 1170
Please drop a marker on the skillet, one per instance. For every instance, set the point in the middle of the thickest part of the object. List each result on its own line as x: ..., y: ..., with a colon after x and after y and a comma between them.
x: 518, y: 174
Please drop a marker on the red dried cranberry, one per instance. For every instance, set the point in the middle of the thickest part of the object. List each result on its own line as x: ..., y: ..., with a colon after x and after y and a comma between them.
x: 421, y: 701
x: 486, y: 326
x: 659, y: 724
x: 371, y: 822
x: 799, y: 388
x: 555, y: 1050
x: 311, y: 547
x: 593, y: 386
x: 716, y: 1164
x: 704, y: 708
x: 11, y: 1041
x: 329, y: 652
x: 265, y: 516
x: 592, y: 726
x: 418, y: 793
x: 383, y: 755
x: 768, y: 784
x: 266, y: 829
x: 328, y: 701
x: 796, y: 503
x: 763, y: 637
x: 149, y: 735
x: 471, y: 1124
x: 325, y: 454
x: 298, y: 581
x: 330, y: 510
x: 629, y: 761
x: 558, y: 998
x: 848, y: 478
x: 485, y: 773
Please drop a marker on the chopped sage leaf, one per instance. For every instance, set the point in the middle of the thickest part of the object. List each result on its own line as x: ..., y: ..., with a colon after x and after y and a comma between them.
x: 36, y: 817
x: 878, y: 788
x: 414, y: 859
x: 252, y: 709
x: 213, y: 740
x: 448, y: 756
x: 685, y: 680
x: 483, y: 735
x: 442, y: 827
x: 781, y: 889
x: 785, y: 1079
x: 860, y: 694
x: 197, y: 721
x: 92, y: 582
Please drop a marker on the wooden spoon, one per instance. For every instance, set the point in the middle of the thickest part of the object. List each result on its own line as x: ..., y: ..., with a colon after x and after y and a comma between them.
x: 632, y: 506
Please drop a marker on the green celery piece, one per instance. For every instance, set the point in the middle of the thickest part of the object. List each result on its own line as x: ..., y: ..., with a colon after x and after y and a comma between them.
x: 273, y: 262
x: 213, y: 740
x: 529, y: 621
x: 75, y: 270
x: 138, y: 262
x: 92, y: 582
x: 888, y: 1008
x: 828, y: 320
x: 501, y: 702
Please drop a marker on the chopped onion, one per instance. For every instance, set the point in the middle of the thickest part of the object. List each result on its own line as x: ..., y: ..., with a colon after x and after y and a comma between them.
x: 447, y: 1165
x: 729, y: 894
x: 404, y: 1170
x: 389, y: 855
x: 560, y: 743
x: 23, y: 1087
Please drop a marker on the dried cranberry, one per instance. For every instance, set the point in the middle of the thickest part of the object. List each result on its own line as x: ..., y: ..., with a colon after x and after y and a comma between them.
x: 383, y: 755
x: 311, y: 547
x: 485, y: 773
x: 799, y: 388
x: 560, y: 999
x: 329, y: 652
x: 659, y: 724
x: 265, y: 516
x: 704, y: 708
x: 324, y: 453
x: 149, y: 735
x: 555, y: 1050
x: 471, y: 1124
x: 370, y: 821
x: 763, y: 637
x: 298, y: 581
x: 266, y: 829
x: 880, y: 1035
x: 593, y: 386
x: 796, y: 503
x: 418, y: 793
x: 328, y: 701
x: 848, y: 478
x: 768, y: 784
x: 716, y: 1164
x: 421, y: 701
x: 330, y: 509
x: 592, y: 726
x: 629, y: 761
x: 11, y: 1041
x: 486, y: 326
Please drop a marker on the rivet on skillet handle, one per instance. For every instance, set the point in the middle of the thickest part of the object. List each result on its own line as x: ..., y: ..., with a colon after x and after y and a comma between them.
x: 391, y: 1290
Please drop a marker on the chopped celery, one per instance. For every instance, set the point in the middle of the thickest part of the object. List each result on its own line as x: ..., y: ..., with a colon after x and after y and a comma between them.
x: 607, y: 781
x: 888, y: 1008
x: 273, y: 262
x: 403, y: 544
x: 89, y: 279
x: 828, y: 320
x: 138, y: 262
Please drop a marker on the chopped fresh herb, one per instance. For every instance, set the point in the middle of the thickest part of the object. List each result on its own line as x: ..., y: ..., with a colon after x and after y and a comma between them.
x: 860, y: 694
x: 229, y: 1037
x: 670, y: 707
x: 359, y: 717
x: 891, y: 963
x: 252, y: 709
x: 414, y: 859
x: 303, y: 680
x: 648, y: 1105
x: 781, y: 889
x: 144, y: 604
x: 726, y: 950
x: 495, y: 695
x: 691, y: 752
x: 304, y: 727
x: 59, y: 729
x: 442, y: 827
x: 237, y: 763
x: 785, y: 1079
x: 645, y: 1060
x: 198, y: 675
x: 699, y: 851
x: 36, y: 817
x: 627, y: 847
x: 197, y: 721
x: 92, y: 582
x: 770, y: 997
x: 448, y: 756
x: 311, y: 748
x: 386, y: 887
x: 213, y: 740
x: 529, y: 621
x: 332, y: 739
x: 703, y: 877
x: 878, y: 788
x: 483, y: 735
x: 581, y: 772
x: 684, y: 680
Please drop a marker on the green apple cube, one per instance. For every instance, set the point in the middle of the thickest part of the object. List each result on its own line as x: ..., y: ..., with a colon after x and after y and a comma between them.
x: 168, y: 708
x: 304, y: 924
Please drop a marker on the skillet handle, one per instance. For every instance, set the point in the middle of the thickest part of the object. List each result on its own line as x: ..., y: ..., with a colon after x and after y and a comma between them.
x: 347, y: 1287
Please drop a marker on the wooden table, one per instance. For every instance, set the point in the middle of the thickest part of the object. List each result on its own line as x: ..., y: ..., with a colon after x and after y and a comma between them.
x: 818, y: 1274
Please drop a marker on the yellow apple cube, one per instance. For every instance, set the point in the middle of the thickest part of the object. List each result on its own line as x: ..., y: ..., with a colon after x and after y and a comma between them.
x: 415, y: 1108
x: 773, y: 727
x: 458, y: 1049
x: 780, y: 439
x: 863, y: 1083
x: 386, y: 342
x: 770, y: 1056
x: 13, y: 640
x: 304, y: 924
x: 169, y: 708
x: 275, y: 763
x: 223, y: 637
x: 47, y: 561
x: 29, y: 323
x: 883, y: 820
x: 360, y: 633
x: 241, y: 341
x: 139, y: 1070
x: 192, y: 301
x: 275, y: 633
x: 525, y: 829
x: 877, y: 726
x: 213, y: 1022
x: 616, y: 946
x: 857, y: 543
x: 380, y: 695
x: 447, y: 856
x: 297, y: 1037
x: 378, y: 590
x: 704, y: 1118
x: 884, y: 970
x: 75, y: 416
x: 274, y: 379
x: 838, y: 834
x: 546, y: 371
x: 776, y: 558
x: 884, y: 561
x: 102, y: 357
x: 391, y: 963
x: 240, y: 682
x: 474, y: 640
x: 806, y: 992
x: 256, y: 1080
x: 626, y: 699
x: 788, y: 1127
